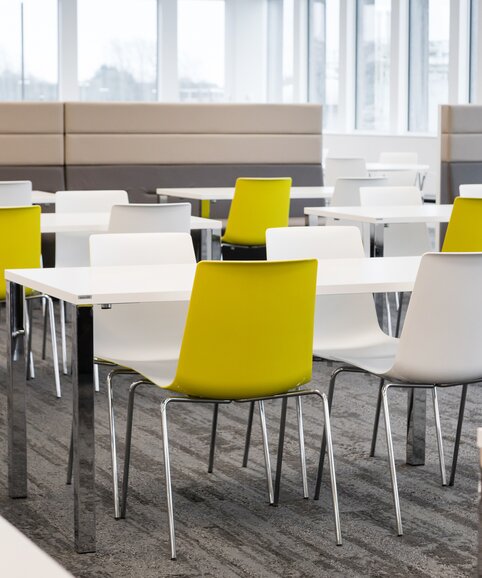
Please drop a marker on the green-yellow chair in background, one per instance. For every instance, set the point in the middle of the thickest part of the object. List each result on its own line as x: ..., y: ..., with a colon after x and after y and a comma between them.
x: 265, y: 351
x: 20, y: 248
x: 463, y: 235
x: 258, y: 204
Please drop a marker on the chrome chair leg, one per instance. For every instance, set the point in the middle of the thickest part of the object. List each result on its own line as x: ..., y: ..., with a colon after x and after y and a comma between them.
x: 460, y: 422
x: 29, y: 330
x: 96, y: 377
x: 331, y: 464
x: 113, y: 445
x: 267, y: 461
x: 167, y: 470
x: 281, y: 441
x: 248, y: 434
x: 44, y: 329
x: 389, y: 314
x: 399, y: 315
x: 127, y: 457
x: 439, y: 436
x: 212, y: 446
x: 301, y: 437
x: 377, y: 419
x: 391, y: 459
x: 63, y: 338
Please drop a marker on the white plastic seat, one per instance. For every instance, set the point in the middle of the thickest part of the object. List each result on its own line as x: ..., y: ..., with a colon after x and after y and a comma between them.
x: 336, y: 168
x: 72, y: 249
x: 436, y: 348
x: 150, y: 218
x: 15, y: 193
x: 145, y: 337
x: 473, y: 191
x: 398, y: 239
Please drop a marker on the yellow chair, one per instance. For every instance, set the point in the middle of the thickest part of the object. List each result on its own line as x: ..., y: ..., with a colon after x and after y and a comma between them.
x: 464, y: 231
x: 464, y: 235
x: 264, y: 353
x: 20, y: 245
x: 258, y: 204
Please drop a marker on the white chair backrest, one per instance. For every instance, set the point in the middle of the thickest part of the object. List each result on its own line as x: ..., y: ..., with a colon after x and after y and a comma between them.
x: 474, y: 191
x: 15, y: 193
x: 140, y: 331
x: 347, y: 190
x: 72, y: 249
x: 443, y: 325
x: 399, y: 240
x: 339, y: 319
x: 337, y: 168
x: 89, y: 201
x: 151, y: 218
x: 404, y: 158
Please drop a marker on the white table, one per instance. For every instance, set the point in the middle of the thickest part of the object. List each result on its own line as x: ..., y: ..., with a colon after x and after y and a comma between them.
x: 99, y: 222
x: 43, y: 198
x: 21, y: 558
x: 374, y: 169
x: 378, y: 217
x: 207, y: 195
x: 84, y: 287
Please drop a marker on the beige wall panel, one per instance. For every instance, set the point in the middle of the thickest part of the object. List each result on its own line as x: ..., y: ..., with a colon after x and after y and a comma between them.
x: 154, y: 118
x: 191, y: 149
x: 461, y: 119
x: 31, y: 117
x: 461, y: 147
x: 42, y: 149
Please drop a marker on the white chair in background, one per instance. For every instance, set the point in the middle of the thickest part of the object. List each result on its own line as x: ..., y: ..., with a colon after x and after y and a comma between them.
x: 146, y: 336
x: 72, y: 249
x: 473, y: 191
x: 347, y: 190
x: 403, y: 177
x: 151, y: 218
x: 336, y: 168
x: 15, y: 193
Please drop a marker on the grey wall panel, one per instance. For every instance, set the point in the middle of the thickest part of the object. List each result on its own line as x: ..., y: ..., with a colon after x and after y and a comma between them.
x: 458, y: 173
x: 141, y: 181
x: 45, y: 178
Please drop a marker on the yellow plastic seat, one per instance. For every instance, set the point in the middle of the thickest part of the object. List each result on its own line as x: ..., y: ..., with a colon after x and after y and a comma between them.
x: 265, y: 352
x: 464, y: 231
x: 258, y: 204
x: 20, y: 248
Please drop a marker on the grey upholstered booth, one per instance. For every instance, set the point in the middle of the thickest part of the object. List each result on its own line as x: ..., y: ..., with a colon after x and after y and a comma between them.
x: 461, y: 148
x: 141, y: 146
x: 32, y: 143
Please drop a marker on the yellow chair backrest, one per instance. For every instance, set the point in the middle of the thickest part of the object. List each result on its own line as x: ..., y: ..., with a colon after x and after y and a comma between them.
x: 464, y: 231
x: 19, y: 240
x: 249, y: 329
x: 258, y: 204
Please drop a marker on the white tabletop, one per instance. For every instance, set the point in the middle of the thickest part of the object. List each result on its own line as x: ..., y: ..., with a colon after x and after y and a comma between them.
x: 43, y: 198
x: 427, y: 213
x: 96, y: 285
x: 21, y: 558
x: 392, y: 167
x: 99, y: 222
x: 227, y: 193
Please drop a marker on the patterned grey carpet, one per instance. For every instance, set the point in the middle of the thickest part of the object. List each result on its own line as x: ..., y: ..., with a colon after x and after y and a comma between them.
x: 224, y: 525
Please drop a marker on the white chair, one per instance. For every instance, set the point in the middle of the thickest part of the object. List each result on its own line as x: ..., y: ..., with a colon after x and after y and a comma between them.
x: 72, y: 249
x: 15, y: 193
x: 146, y: 336
x: 400, y: 178
x: 398, y: 239
x: 436, y: 348
x: 347, y: 190
x: 346, y: 326
x: 151, y: 218
x: 336, y: 168
x: 473, y: 191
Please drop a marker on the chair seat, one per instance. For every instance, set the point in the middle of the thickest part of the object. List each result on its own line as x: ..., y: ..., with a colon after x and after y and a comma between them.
x: 160, y: 371
x: 374, y: 356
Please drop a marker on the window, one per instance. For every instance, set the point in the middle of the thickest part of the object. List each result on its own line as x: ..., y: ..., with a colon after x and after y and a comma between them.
x: 373, y: 64
x: 117, y: 49
x: 474, y: 39
x: 201, y: 50
x: 324, y: 58
x: 28, y: 50
x: 429, y: 22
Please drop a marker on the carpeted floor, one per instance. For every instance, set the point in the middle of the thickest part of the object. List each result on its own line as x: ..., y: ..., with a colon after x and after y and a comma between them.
x: 225, y: 527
